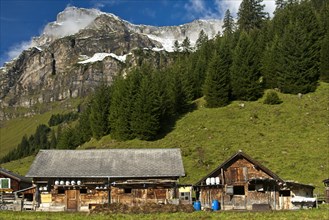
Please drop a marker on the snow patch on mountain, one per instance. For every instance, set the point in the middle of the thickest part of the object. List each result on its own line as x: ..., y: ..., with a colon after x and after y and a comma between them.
x: 101, y: 56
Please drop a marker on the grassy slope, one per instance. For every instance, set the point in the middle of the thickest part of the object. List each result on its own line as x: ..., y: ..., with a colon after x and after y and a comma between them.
x: 291, y: 139
x: 12, y: 131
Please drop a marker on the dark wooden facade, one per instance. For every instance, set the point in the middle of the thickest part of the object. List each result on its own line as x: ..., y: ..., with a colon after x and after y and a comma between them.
x: 15, y: 181
x: 243, y: 183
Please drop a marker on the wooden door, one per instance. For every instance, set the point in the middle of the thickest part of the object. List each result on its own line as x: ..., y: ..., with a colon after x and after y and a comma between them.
x: 72, y: 197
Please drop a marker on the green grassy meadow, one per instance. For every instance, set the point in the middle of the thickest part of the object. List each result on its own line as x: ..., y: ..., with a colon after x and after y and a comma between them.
x: 320, y: 214
x: 291, y: 139
x: 12, y: 131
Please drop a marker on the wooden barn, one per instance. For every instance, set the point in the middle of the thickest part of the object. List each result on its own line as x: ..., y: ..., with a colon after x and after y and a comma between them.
x: 10, y: 181
x: 79, y: 180
x: 244, y: 184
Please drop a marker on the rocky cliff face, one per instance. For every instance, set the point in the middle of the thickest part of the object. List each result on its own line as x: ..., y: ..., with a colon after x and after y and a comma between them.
x: 82, y: 48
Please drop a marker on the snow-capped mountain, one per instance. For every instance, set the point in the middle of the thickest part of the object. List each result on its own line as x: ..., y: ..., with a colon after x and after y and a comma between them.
x: 83, y: 47
x: 72, y: 20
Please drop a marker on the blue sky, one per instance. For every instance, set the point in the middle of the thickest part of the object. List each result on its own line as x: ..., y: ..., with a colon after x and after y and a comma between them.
x: 20, y: 20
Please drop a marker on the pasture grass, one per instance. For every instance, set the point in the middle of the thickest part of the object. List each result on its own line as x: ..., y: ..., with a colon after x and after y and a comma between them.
x: 320, y: 214
x: 12, y: 131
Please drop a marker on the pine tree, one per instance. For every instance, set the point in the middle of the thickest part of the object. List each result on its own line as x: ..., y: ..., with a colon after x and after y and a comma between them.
x: 53, y: 140
x: 246, y: 80
x: 99, y: 112
x: 324, y: 60
x: 184, y: 83
x: 122, y: 104
x: 251, y: 15
x: 217, y: 84
x: 280, y: 4
x: 186, y: 45
x: 203, y: 38
x: 83, y: 124
x: 228, y: 26
x: 145, y: 122
x: 324, y: 54
x: 271, y: 62
x: 298, y: 63
x: 176, y: 46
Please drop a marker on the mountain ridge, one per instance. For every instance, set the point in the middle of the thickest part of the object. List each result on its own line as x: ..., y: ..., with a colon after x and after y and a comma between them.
x: 50, y: 70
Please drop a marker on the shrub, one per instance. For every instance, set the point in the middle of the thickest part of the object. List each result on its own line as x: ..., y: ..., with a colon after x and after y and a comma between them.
x: 272, y: 98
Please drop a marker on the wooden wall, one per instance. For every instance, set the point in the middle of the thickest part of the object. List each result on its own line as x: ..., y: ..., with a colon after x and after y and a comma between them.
x: 14, y: 184
x: 87, y: 197
x: 239, y: 173
x: 139, y: 196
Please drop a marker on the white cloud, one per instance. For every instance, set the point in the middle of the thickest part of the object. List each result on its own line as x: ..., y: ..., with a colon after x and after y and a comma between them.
x: 197, y: 9
x: 233, y: 6
x: 99, y: 4
x: 70, y: 21
x: 201, y: 8
x: 17, y: 49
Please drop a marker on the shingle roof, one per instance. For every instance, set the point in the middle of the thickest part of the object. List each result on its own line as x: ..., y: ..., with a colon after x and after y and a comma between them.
x: 15, y: 176
x: 108, y: 163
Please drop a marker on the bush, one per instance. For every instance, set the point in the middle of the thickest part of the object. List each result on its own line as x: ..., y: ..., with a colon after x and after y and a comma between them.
x: 272, y: 98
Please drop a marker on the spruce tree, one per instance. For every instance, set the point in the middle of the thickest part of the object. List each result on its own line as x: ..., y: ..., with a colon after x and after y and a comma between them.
x: 176, y: 46
x: 217, y: 83
x: 324, y: 60
x: 83, y: 124
x: 123, y: 98
x: 203, y: 38
x: 251, y: 15
x: 271, y: 63
x: 186, y: 45
x: 145, y: 121
x: 279, y: 4
x: 228, y: 26
x: 246, y: 80
x: 298, y: 63
x: 99, y: 111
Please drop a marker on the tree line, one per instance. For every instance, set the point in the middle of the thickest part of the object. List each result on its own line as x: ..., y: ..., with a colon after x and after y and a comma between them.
x: 289, y: 52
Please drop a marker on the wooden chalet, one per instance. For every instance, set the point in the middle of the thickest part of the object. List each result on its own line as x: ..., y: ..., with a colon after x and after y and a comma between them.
x: 78, y: 180
x: 243, y: 183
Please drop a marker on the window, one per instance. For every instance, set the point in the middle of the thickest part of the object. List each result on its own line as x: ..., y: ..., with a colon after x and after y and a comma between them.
x: 83, y: 191
x: 284, y: 193
x: 4, y: 183
x: 251, y: 187
x: 238, y: 190
x: 229, y: 190
x: 61, y: 191
x: 127, y: 190
x: 184, y: 196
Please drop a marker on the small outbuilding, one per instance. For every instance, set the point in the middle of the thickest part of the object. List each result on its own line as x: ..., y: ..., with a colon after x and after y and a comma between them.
x: 243, y: 183
x: 79, y: 180
x: 10, y: 182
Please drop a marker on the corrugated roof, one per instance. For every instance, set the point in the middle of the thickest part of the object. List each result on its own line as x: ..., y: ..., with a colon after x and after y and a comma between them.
x: 108, y: 163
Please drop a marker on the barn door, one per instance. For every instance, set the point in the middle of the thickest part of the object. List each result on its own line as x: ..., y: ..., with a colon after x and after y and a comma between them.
x: 72, y: 197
